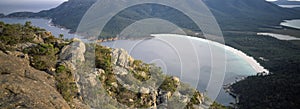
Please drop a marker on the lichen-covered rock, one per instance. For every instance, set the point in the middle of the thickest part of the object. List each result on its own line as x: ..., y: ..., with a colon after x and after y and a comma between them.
x: 144, y: 90
x: 38, y: 39
x: 120, y: 71
x: 74, y: 52
x: 22, y: 46
x: 121, y: 58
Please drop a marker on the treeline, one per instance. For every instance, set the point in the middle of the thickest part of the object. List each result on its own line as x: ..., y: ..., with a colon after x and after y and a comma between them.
x: 279, y: 90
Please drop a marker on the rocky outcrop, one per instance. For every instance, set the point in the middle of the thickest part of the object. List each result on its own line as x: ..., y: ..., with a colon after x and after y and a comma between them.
x: 150, y: 95
x: 74, y: 82
x: 22, y: 86
x: 72, y: 56
x: 121, y: 58
x: 73, y: 52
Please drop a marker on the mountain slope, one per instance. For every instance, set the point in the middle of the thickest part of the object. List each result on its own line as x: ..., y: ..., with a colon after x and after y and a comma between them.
x: 248, y: 14
x: 68, y: 14
x: 238, y: 15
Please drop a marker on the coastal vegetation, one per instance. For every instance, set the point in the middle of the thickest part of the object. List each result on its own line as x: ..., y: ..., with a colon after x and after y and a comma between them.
x: 240, y: 21
x: 65, y: 83
x: 281, y: 58
x: 125, y: 88
x: 42, y: 49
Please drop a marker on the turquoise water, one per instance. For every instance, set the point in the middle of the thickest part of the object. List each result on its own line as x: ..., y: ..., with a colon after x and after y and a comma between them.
x: 289, y: 6
x: 292, y: 23
x: 159, y: 51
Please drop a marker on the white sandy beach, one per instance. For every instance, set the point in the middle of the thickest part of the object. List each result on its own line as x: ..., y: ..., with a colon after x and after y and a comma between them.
x: 255, y: 65
x: 279, y: 36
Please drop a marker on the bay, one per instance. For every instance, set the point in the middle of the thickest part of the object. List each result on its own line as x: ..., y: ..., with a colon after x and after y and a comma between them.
x: 42, y: 23
x: 157, y: 50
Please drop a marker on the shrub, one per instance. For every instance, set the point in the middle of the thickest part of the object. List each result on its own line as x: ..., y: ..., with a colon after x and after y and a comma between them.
x: 43, y: 56
x: 65, y: 83
x: 169, y: 85
x: 103, y: 58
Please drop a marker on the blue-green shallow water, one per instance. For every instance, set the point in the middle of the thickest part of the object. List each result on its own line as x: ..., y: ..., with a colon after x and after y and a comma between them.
x: 292, y: 23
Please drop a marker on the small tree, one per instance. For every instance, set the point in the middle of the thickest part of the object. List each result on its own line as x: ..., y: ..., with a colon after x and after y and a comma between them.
x: 61, y: 36
x: 28, y: 24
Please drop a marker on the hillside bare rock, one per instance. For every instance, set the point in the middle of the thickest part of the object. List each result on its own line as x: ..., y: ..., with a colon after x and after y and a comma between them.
x: 121, y: 58
x: 74, y: 52
x: 22, y: 86
x: 149, y: 96
x: 72, y: 56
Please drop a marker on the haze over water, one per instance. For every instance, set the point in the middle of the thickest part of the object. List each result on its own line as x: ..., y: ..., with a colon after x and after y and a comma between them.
x: 10, y: 6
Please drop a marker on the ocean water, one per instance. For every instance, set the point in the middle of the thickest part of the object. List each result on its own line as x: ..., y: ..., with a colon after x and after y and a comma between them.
x: 42, y: 23
x: 196, y: 60
x: 164, y: 51
x: 8, y: 7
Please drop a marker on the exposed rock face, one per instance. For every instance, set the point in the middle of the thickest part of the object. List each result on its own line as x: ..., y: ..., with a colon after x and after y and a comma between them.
x: 73, y: 52
x: 25, y: 45
x: 120, y: 71
x: 71, y: 56
x: 144, y: 90
x: 121, y: 58
x: 38, y: 39
x: 149, y: 96
x: 22, y: 86
x: 92, y: 77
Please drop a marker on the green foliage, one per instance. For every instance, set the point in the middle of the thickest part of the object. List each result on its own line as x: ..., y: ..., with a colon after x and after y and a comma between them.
x: 194, y: 99
x: 15, y: 34
x: 103, y: 58
x: 279, y: 90
x: 61, y: 36
x: 141, y: 70
x: 231, y: 15
x: 65, y: 83
x: 27, y: 24
x: 137, y: 63
x: 169, y: 85
x: 43, y: 56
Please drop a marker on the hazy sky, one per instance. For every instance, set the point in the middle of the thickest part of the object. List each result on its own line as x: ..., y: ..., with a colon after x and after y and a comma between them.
x: 30, y: 1
x: 8, y: 6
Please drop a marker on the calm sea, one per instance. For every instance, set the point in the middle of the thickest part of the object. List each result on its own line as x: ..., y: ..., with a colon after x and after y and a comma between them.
x: 159, y: 51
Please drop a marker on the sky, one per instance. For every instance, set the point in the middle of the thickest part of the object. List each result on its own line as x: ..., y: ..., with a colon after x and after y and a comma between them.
x: 9, y: 6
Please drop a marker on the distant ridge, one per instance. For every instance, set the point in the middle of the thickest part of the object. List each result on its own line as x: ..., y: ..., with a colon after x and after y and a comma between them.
x: 232, y: 15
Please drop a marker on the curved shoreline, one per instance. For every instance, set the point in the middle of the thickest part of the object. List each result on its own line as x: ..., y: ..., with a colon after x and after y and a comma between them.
x: 250, y: 60
x: 279, y: 36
